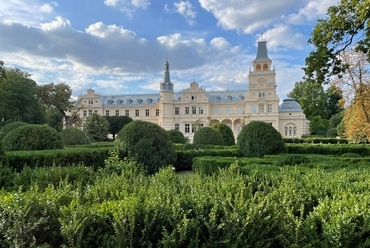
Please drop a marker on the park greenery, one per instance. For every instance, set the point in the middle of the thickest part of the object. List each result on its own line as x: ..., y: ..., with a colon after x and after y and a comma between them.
x: 65, y: 188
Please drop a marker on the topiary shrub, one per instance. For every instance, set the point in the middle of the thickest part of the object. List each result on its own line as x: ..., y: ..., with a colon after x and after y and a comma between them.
x: 332, y: 132
x: 176, y: 136
x: 226, y: 132
x: 32, y: 137
x: 258, y: 138
x: 148, y: 143
x: 74, y: 136
x: 10, y: 127
x: 208, y: 136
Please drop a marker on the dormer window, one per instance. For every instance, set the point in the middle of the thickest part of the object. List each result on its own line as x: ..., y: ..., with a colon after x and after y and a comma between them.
x: 241, y: 98
x: 119, y: 101
x: 110, y: 101
x: 149, y: 100
x: 218, y: 98
x: 229, y: 98
x: 139, y: 101
x: 129, y: 101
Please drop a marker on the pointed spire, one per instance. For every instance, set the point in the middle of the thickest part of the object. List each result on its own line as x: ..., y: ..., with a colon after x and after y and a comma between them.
x: 166, y: 83
x: 262, y: 52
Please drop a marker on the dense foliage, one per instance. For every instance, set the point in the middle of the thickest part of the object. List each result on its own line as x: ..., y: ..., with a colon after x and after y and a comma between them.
x: 176, y: 136
x: 208, y: 136
x: 289, y: 207
x: 32, y: 137
x: 97, y: 128
x: 148, y: 143
x: 332, y: 132
x: 226, y: 132
x: 116, y: 123
x: 259, y: 138
x: 74, y: 136
x: 10, y: 127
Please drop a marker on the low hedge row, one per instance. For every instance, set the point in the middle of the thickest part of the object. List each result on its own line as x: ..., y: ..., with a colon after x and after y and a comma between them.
x: 338, y: 150
x: 315, y: 140
x: 63, y: 157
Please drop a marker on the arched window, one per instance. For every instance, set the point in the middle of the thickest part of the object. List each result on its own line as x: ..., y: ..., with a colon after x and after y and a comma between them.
x: 265, y: 67
x: 258, y: 67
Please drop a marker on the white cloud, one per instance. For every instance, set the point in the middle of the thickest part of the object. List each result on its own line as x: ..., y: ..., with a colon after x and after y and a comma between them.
x: 47, y: 8
x: 311, y: 12
x: 185, y: 9
x: 283, y: 36
x: 128, y: 6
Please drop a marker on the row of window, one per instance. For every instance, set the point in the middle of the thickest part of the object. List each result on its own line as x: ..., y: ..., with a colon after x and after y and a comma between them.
x: 117, y: 112
x: 261, y: 108
x: 188, y: 126
x: 290, y: 131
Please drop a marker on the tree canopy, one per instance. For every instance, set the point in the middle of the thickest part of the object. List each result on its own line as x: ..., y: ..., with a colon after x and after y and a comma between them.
x: 116, y: 123
x: 347, y: 27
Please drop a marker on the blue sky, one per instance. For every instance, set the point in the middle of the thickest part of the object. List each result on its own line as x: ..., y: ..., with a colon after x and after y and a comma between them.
x: 120, y: 46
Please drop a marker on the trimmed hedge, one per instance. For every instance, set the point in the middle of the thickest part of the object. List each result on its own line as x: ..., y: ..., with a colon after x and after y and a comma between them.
x: 208, y: 136
x: 226, y: 132
x: 89, y: 157
x: 338, y: 150
x: 74, y: 136
x: 32, y: 137
x: 176, y: 136
x: 10, y: 127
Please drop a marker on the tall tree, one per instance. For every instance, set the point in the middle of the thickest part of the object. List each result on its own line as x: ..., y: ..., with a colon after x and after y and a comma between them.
x: 59, y: 97
x: 355, y: 84
x: 18, y: 102
x: 334, y: 104
x: 312, y: 98
x: 2, y: 70
x: 116, y: 123
x: 347, y: 26
x: 97, y: 127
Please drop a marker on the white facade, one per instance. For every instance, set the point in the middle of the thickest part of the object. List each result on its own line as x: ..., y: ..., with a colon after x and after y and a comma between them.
x: 193, y: 107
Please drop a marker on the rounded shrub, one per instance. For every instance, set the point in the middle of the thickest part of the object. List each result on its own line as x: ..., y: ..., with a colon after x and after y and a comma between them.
x: 208, y: 136
x: 176, y: 136
x: 258, y: 138
x: 148, y: 143
x: 74, y: 136
x: 226, y: 132
x: 332, y: 132
x: 32, y: 137
x: 10, y: 127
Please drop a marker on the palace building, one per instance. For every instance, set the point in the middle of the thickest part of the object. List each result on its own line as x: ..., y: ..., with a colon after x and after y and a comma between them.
x: 195, y: 107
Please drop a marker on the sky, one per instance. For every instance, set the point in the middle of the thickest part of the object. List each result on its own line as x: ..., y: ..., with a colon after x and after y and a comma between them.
x: 120, y: 46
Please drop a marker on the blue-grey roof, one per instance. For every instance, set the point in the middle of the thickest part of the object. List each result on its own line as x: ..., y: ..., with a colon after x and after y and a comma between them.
x: 262, y: 52
x: 130, y: 100
x: 226, y: 96
x: 289, y: 105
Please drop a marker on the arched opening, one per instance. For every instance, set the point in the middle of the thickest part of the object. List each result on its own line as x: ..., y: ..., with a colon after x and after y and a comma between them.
x: 265, y: 67
x: 258, y: 67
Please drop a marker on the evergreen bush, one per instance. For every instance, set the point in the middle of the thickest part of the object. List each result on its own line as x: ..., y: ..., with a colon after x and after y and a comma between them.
x: 10, y: 127
x: 74, y: 136
x: 332, y: 132
x: 226, y: 132
x: 208, y: 136
x: 176, y: 136
x: 32, y: 137
x: 148, y: 143
x: 259, y: 138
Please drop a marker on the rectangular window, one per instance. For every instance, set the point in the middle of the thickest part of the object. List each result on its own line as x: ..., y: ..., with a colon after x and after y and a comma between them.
x: 261, y: 94
x: 106, y: 112
x: 194, y: 110
x: 84, y: 113
x: 240, y: 111
x: 216, y: 111
x: 253, y: 108
x: 177, y: 110
x: 177, y: 126
x: 228, y: 110
x: 186, y: 110
x: 187, y: 128
x: 269, y: 108
x: 117, y: 112
x: 90, y: 112
x: 127, y: 112
x: 91, y: 102
x: 157, y: 112
x: 137, y: 112
x: 261, y: 108
x: 147, y: 112
x: 96, y: 111
x: 201, y: 110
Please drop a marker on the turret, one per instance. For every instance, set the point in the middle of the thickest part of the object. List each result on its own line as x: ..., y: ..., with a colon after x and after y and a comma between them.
x: 262, y: 61
x: 166, y: 84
